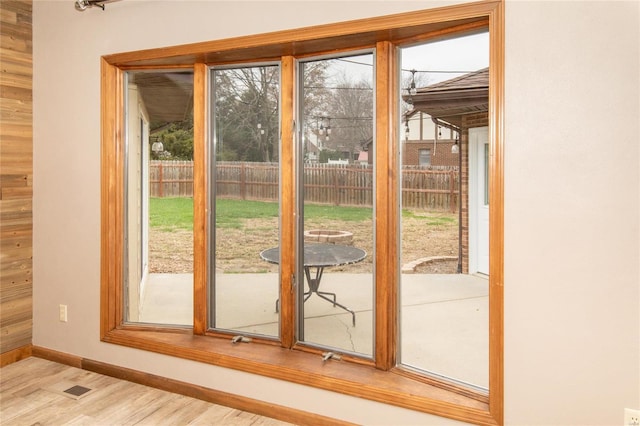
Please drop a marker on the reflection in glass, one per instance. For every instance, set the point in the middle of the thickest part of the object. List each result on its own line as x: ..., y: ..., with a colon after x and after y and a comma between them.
x: 245, y: 201
x: 444, y: 225
x: 159, y: 191
x: 335, y: 306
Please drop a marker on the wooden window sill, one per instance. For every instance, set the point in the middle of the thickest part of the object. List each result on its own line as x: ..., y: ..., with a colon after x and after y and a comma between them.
x: 394, y: 387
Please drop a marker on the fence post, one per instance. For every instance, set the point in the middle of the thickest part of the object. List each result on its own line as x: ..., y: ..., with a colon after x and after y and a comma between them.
x: 335, y: 185
x: 243, y: 181
x: 452, y: 188
x: 160, y: 183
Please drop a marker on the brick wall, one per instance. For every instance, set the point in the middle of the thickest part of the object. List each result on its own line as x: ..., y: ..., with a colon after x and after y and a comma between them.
x: 468, y: 121
x: 440, y: 153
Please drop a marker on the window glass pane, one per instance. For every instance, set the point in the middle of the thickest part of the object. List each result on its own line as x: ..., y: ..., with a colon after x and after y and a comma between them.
x: 424, y: 157
x: 335, y: 306
x: 245, y: 199
x: 159, y: 198
x: 444, y: 223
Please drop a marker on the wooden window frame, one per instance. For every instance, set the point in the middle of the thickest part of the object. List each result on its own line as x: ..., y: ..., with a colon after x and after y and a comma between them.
x: 380, y: 380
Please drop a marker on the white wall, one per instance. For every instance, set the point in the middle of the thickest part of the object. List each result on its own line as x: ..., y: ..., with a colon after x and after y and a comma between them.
x: 572, y: 280
x: 571, y: 217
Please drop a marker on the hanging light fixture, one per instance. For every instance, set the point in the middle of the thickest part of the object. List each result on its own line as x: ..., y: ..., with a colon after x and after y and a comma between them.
x: 411, y: 90
x: 455, y: 148
x: 324, y: 127
x: 321, y: 125
x: 406, y: 129
x: 412, y: 86
x: 157, y: 147
x: 82, y: 5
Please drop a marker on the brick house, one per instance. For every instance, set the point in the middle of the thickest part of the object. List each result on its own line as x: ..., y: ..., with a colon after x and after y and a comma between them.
x: 459, y: 105
x: 427, y: 143
x: 429, y: 153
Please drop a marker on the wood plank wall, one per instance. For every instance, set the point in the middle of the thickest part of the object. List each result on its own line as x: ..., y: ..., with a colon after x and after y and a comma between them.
x: 16, y: 174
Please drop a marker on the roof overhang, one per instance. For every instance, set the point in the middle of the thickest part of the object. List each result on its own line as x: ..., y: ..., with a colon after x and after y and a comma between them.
x: 167, y: 96
x: 450, y: 100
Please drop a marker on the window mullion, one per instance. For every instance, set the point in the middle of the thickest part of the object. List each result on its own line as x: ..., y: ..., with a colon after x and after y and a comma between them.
x: 496, y: 215
x: 287, y: 204
x: 386, y: 261
x: 200, y: 225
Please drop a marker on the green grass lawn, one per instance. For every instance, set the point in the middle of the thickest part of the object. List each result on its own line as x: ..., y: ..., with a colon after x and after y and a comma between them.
x: 431, y: 218
x: 177, y: 213
x: 168, y: 214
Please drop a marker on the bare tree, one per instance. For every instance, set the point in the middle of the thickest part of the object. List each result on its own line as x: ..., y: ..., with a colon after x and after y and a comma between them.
x: 350, y: 110
x: 246, y: 113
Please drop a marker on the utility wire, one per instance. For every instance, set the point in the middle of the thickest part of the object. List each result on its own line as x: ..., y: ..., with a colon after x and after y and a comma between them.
x: 412, y: 70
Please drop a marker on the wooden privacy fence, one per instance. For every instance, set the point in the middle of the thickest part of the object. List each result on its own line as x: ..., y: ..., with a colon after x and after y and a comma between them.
x: 428, y: 188
x: 171, y: 178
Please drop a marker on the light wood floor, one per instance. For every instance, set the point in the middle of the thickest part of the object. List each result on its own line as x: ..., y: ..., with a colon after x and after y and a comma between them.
x: 26, y: 399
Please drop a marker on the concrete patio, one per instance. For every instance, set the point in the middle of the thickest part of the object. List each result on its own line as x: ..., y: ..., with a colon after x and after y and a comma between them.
x: 443, y: 317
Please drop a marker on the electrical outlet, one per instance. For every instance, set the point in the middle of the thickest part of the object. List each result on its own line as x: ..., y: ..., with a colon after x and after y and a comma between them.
x: 631, y: 417
x: 63, y: 313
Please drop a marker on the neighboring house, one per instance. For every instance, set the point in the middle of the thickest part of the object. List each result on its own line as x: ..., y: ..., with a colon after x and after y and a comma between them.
x: 311, y: 152
x: 427, y: 143
x: 363, y: 157
x: 429, y: 153
x: 461, y: 106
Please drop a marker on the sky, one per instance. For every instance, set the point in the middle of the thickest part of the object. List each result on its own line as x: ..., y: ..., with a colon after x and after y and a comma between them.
x: 433, y: 61
x: 469, y: 53
x: 466, y: 54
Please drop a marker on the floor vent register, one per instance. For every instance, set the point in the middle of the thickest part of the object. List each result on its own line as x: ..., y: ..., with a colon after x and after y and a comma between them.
x: 70, y: 390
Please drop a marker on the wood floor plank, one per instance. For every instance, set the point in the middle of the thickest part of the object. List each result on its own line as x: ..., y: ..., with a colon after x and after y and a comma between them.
x: 44, y: 408
x: 138, y: 408
x: 26, y: 400
x: 180, y: 409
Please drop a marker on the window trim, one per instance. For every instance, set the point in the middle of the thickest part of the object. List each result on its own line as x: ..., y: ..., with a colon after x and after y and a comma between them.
x: 384, y: 383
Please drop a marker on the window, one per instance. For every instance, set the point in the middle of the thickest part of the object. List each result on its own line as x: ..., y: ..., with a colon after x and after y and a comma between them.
x: 443, y: 302
x: 336, y: 115
x: 244, y: 172
x: 424, y: 157
x: 274, y: 138
x: 158, y: 174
